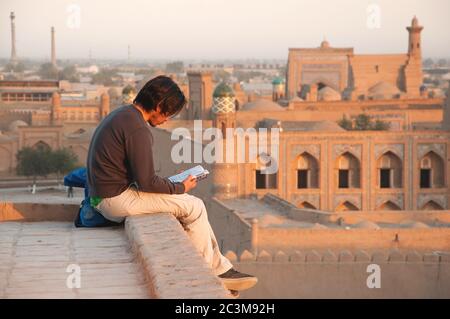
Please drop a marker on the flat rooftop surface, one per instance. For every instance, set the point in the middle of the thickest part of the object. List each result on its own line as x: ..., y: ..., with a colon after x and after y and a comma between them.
x: 43, y: 195
x: 41, y: 260
x: 267, y: 215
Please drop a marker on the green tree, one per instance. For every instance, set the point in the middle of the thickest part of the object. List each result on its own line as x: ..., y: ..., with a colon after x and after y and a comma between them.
x: 128, y: 89
x: 69, y: 73
x: 381, y: 125
x: 63, y: 161
x: 105, y: 77
x: 18, y: 68
x: 345, y: 123
x: 363, y: 122
x: 48, y: 71
x: 34, y: 162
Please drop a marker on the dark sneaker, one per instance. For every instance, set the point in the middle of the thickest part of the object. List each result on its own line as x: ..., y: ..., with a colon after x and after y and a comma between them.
x: 235, y: 280
x: 234, y: 293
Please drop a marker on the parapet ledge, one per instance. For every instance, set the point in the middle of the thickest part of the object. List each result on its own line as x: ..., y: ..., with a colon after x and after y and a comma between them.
x: 172, y: 265
x: 344, y: 256
x: 293, y: 212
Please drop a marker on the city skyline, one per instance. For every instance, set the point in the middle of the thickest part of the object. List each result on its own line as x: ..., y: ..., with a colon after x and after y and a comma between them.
x: 244, y: 31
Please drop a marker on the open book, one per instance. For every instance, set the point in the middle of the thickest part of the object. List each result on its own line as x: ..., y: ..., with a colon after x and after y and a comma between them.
x: 198, y: 172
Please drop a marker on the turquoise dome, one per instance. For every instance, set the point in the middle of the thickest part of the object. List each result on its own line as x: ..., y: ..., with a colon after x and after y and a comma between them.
x: 277, y: 81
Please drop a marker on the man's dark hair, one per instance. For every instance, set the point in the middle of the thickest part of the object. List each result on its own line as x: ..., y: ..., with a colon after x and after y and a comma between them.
x: 164, y: 91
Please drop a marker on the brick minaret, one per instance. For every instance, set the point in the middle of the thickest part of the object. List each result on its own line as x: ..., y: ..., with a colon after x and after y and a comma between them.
x: 414, y: 45
x: 104, y: 106
x: 413, y: 68
x: 14, y: 58
x: 53, y: 48
x: 56, y: 109
x: 446, y: 115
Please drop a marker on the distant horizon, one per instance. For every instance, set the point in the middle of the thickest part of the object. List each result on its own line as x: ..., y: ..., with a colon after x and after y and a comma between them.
x: 184, y: 60
x: 217, y: 30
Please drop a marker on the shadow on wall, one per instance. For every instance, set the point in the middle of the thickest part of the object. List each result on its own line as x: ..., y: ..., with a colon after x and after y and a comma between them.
x: 347, y: 275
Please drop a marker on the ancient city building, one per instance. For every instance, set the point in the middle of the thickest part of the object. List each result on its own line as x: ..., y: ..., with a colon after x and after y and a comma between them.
x: 320, y: 165
x: 33, y: 113
x: 349, y: 76
x: 13, y: 59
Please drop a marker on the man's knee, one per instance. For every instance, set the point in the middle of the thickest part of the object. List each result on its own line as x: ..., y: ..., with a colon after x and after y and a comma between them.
x: 198, y: 203
x: 192, y: 210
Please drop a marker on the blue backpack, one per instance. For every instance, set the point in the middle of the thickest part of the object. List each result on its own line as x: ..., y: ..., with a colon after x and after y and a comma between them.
x: 87, y: 215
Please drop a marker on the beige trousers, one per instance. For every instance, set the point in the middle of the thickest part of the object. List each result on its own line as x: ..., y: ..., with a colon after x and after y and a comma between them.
x: 188, y: 209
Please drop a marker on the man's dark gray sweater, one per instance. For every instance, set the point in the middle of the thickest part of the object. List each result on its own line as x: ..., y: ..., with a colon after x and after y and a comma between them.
x: 120, y: 154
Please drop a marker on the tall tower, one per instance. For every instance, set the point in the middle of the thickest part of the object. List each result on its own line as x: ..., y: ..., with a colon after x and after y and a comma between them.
x: 53, y: 48
x: 278, y: 89
x: 200, y: 96
x: 414, y: 43
x: 446, y: 122
x: 240, y: 95
x: 413, y: 68
x: 446, y: 116
x: 104, y: 106
x: 224, y: 107
x: 225, y: 175
x: 14, y: 58
x: 56, y: 109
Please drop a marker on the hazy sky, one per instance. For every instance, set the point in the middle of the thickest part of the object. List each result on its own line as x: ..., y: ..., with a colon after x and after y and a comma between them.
x: 218, y: 29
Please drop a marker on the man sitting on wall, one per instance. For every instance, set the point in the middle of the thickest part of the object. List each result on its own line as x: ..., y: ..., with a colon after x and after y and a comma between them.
x: 122, y: 180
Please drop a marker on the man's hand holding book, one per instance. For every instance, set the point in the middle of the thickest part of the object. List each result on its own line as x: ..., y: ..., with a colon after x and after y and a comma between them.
x: 190, y: 177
